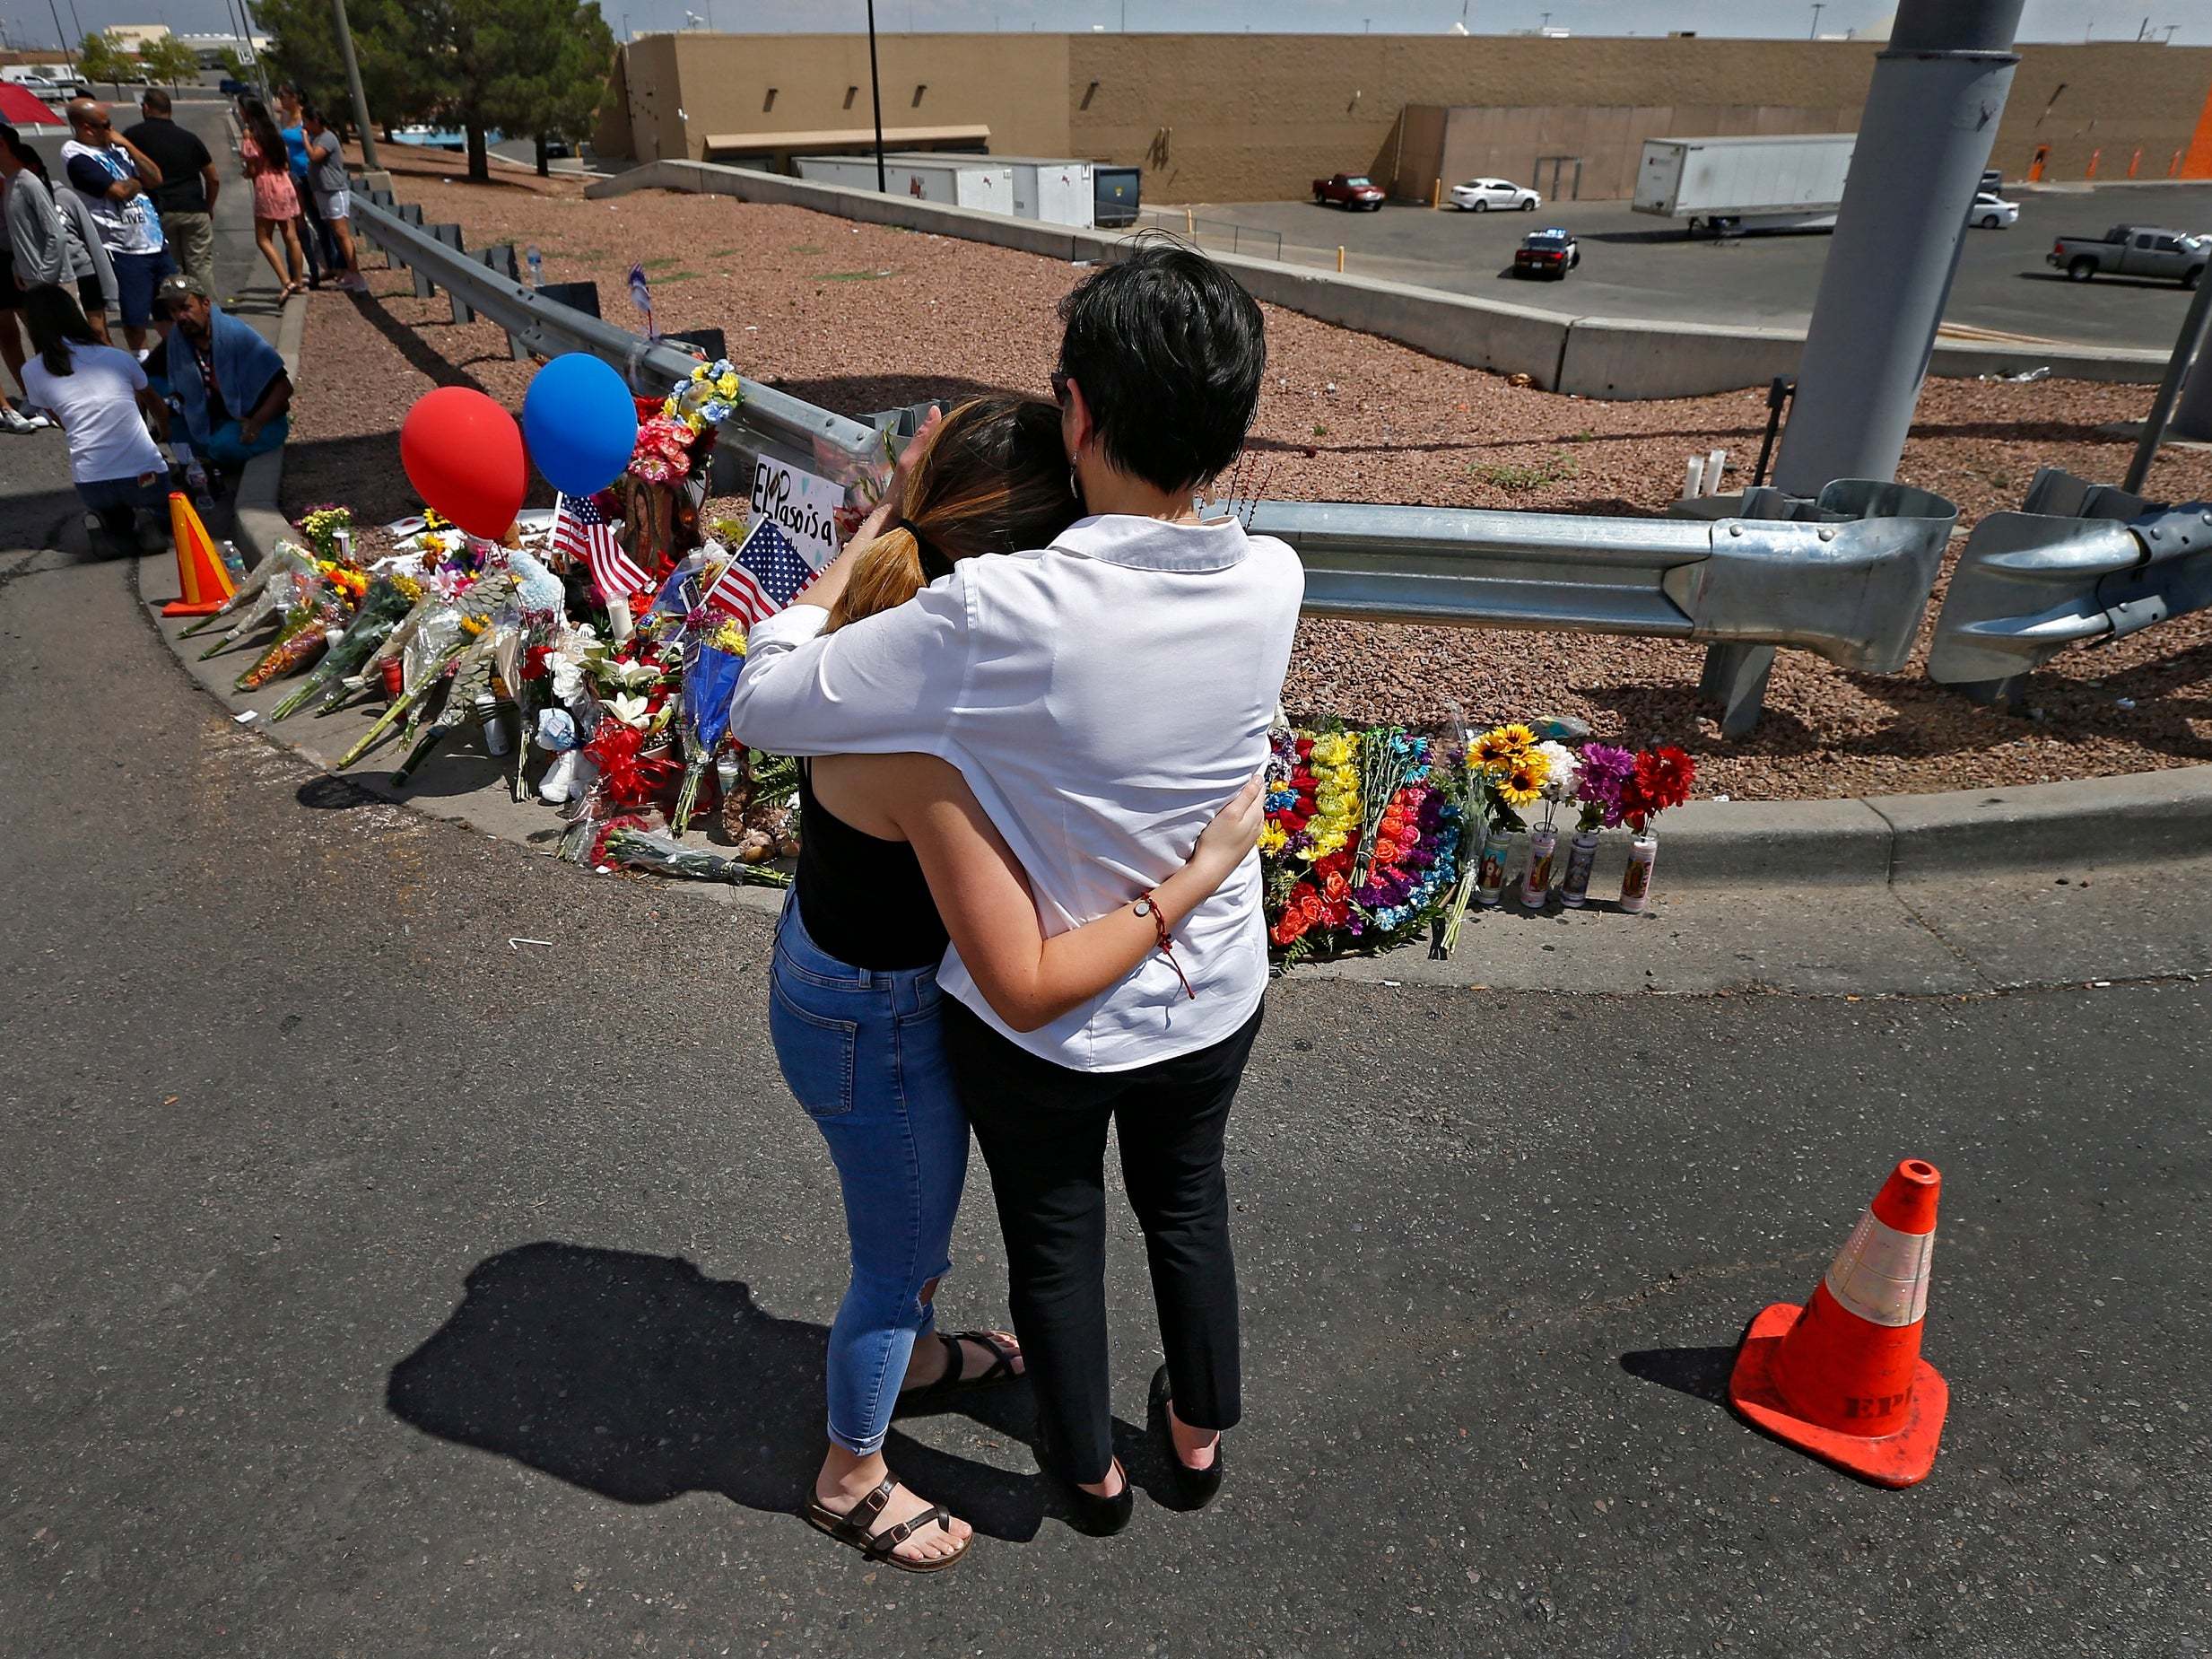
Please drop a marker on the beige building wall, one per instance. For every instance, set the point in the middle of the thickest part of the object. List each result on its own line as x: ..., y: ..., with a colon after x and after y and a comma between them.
x: 1224, y: 117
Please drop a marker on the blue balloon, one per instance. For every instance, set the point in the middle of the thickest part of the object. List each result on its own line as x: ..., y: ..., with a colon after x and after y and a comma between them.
x: 581, y: 423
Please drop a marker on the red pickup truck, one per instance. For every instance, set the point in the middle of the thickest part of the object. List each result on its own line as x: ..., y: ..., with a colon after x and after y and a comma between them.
x: 1349, y: 191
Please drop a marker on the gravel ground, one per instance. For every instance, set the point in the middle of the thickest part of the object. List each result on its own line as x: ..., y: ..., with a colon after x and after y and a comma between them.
x: 858, y: 318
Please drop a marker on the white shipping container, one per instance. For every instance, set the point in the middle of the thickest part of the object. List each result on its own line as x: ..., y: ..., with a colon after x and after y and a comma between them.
x: 956, y: 182
x: 1053, y: 192
x: 1743, y: 177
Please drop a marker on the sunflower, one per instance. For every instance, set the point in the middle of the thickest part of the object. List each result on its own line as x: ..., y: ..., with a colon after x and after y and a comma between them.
x: 1500, y: 747
x: 1522, y: 780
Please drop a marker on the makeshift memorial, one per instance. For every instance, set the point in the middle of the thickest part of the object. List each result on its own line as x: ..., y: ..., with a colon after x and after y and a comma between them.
x: 640, y: 849
x: 1358, y: 842
x: 1604, y: 772
x: 1503, y: 773
x: 278, y: 586
x: 462, y: 453
x: 382, y: 607
x: 1561, y: 770
x: 324, y: 526
x: 303, y: 638
x: 1660, y: 779
x: 581, y: 423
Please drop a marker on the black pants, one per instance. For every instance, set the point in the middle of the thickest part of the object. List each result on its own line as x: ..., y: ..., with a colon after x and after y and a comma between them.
x: 314, y: 235
x: 1042, y: 1128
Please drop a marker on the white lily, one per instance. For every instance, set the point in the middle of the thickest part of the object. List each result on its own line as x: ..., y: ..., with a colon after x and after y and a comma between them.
x: 632, y: 711
x: 621, y: 673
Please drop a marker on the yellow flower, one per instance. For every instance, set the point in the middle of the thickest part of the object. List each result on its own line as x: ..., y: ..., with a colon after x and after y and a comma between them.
x: 700, y: 374
x: 1522, y: 780
x: 472, y: 625
x: 728, y: 386
x: 729, y: 637
x: 408, y: 586
x: 1272, y: 838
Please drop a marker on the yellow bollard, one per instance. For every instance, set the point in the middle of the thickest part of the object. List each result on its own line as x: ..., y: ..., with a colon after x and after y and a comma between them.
x: 1190, y: 225
x: 1340, y: 259
x: 1436, y: 194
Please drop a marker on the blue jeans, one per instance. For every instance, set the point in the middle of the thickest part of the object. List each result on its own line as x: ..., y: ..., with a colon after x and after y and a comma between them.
x: 864, y: 1053
x: 227, y: 449
x: 115, y: 499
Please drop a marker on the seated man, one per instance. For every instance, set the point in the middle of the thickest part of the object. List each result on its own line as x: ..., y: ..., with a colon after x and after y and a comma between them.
x: 229, y: 382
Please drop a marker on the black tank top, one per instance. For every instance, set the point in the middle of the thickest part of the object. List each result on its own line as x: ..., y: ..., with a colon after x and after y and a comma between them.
x: 863, y: 900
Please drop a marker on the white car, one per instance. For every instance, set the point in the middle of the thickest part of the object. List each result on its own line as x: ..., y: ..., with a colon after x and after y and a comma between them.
x: 1480, y: 194
x: 1992, y: 212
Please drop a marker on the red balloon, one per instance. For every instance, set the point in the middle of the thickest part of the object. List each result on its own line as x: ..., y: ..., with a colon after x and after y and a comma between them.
x: 463, y: 454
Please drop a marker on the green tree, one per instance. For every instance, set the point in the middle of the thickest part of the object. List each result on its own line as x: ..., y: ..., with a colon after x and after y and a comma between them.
x: 99, y: 58
x: 168, y: 61
x: 233, y: 66
x: 525, y: 67
x: 399, y: 82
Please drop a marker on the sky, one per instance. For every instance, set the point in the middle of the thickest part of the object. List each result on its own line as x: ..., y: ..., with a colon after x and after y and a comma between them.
x: 30, y: 22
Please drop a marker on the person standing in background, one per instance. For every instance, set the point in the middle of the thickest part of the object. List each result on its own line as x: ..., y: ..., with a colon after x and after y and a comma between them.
x: 186, y: 197
x: 312, y: 236
x: 332, y: 192
x: 115, y: 177
x: 276, y: 203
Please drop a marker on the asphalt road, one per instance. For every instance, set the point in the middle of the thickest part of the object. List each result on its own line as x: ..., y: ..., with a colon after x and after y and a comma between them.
x: 1637, y: 266
x: 376, y: 1283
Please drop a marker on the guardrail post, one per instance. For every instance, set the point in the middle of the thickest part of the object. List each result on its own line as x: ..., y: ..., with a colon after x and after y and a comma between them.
x: 450, y: 235
x: 501, y: 257
x: 1735, y: 677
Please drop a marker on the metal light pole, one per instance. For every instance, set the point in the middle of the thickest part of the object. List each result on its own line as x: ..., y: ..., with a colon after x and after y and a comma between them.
x: 2188, y: 347
x: 1813, y: 32
x: 876, y: 94
x: 352, y: 81
x: 1931, y: 116
x: 59, y: 35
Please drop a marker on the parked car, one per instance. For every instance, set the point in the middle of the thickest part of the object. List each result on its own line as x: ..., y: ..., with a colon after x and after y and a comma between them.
x: 230, y: 86
x: 1481, y: 195
x: 1550, y: 252
x: 2132, y: 250
x: 45, y: 91
x: 1352, y: 192
x: 1992, y: 212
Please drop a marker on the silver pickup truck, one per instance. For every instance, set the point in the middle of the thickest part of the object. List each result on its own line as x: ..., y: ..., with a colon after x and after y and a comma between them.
x: 2132, y: 250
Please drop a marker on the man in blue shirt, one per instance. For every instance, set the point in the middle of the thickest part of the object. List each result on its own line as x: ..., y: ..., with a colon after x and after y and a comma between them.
x: 229, y: 382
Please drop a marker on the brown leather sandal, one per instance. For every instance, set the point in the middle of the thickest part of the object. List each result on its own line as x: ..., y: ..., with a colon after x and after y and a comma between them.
x: 852, y: 1528
x: 937, y: 1395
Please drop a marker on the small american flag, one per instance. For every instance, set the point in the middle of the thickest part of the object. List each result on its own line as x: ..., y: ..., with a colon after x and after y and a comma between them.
x: 580, y: 531
x: 765, y: 574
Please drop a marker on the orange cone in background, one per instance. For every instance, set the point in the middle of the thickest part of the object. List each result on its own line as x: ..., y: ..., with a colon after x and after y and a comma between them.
x: 200, y: 571
x: 1842, y: 1377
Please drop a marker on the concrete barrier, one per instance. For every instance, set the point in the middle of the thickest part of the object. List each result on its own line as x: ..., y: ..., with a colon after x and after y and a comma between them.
x: 1613, y: 358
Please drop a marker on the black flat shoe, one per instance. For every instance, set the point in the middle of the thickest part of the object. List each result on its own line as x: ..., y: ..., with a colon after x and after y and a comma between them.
x: 1101, y: 1517
x: 1196, y: 1487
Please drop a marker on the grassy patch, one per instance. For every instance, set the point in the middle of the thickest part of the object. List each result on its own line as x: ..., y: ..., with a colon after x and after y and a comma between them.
x: 1513, y: 477
x: 798, y: 247
x: 667, y: 279
x: 850, y: 276
x: 660, y: 265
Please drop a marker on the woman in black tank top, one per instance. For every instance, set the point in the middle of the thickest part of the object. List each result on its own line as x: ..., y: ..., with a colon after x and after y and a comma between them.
x: 896, y: 860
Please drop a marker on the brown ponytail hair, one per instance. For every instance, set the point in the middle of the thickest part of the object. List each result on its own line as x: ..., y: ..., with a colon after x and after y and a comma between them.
x: 994, y: 479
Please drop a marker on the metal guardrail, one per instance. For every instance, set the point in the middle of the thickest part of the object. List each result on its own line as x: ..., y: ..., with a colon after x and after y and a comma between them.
x: 767, y: 419
x: 1228, y: 234
x: 2079, y: 562
x: 1846, y: 575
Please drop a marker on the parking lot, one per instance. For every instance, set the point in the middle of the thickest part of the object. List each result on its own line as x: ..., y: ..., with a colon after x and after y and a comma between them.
x: 1637, y: 266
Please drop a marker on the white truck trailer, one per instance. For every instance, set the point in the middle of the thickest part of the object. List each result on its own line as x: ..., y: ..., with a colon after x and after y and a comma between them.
x: 1730, y: 185
x: 1052, y: 191
x: 979, y: 182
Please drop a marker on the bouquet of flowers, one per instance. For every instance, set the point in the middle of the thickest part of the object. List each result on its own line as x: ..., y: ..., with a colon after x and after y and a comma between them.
x: 277, y: 588
x: 381, y: 609
x: 642, y: 848
x: 706, y: 399
x: 329, y: 530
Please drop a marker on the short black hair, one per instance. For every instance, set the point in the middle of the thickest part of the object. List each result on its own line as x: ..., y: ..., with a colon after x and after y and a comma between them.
x: 1169, y: 352
x: 308, y: 112
x: 155, y: 99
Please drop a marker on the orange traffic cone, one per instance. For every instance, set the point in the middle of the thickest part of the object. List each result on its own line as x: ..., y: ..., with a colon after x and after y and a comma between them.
x: 1842, y: 1377
x: 200, y: 570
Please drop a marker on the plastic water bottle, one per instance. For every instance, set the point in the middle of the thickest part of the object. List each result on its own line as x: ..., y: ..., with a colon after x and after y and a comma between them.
x: 538, y: 264
x: 233, y: 560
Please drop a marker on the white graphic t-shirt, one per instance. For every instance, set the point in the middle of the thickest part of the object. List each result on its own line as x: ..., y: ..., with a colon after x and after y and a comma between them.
x: 125, y: 227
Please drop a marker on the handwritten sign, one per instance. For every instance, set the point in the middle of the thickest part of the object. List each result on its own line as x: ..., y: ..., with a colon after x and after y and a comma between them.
x: 801, y: 505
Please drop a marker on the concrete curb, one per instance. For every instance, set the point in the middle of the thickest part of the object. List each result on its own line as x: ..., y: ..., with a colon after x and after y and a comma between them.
x: 1604, y: 357
x: 258, y: 511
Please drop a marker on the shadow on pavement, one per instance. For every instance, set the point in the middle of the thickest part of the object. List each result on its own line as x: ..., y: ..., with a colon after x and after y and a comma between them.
x: 638, y: 1378
x: 1700, y: 1371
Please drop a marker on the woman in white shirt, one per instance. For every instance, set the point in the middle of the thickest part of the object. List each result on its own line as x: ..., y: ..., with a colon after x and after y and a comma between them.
x: 99, y: 397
